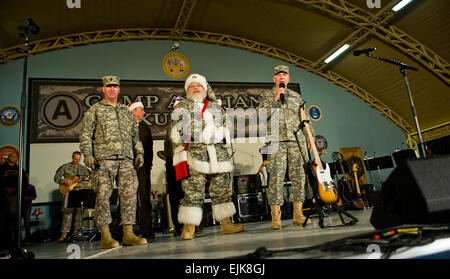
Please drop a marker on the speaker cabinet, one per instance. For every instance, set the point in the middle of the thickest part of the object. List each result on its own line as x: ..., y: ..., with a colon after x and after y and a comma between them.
x: 416, y: 192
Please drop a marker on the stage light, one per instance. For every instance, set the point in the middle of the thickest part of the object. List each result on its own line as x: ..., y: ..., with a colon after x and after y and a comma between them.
x: 400, y: 5
x: 337, y: 53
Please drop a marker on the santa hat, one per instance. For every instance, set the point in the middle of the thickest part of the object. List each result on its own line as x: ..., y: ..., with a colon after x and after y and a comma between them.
x: 134, y: 105
x: 195, y: 78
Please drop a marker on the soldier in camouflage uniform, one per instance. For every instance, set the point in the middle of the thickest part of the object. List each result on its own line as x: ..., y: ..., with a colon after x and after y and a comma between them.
x: 284, y: 154
x: 68, y: 172
x: 109, y: 140
x: 207, y: 156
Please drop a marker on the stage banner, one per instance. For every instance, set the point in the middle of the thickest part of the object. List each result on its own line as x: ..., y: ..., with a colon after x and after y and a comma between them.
x: 57, y: 105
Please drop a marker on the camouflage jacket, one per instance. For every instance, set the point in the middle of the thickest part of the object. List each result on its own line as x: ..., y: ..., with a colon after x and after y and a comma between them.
x: 68, y: 170
x: 207, y: 151
x: 108, y: 130
x: 289, y: 116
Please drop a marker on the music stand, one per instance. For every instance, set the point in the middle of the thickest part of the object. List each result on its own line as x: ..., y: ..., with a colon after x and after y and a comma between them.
x: 402, y: 155
x: 378, y: 163
x: 335, y: 167
x: 84, y: 198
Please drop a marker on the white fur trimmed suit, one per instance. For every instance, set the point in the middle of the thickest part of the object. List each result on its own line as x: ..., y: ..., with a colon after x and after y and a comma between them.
x: 207, y: 158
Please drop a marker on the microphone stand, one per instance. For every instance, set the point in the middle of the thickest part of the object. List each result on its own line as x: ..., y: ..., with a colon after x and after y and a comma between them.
x: 368, y: 166
x: 403, y: 68
x: 379, y: 173
x: 34, y: 29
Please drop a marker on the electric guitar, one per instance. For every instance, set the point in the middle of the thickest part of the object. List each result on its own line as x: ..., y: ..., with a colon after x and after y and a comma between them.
x: 327, y: 190
x: 64, y: 189
x: 345, y: 186
x: 358, y: 203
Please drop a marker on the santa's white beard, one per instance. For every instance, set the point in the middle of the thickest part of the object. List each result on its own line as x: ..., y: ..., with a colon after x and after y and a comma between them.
x: 196, y: 97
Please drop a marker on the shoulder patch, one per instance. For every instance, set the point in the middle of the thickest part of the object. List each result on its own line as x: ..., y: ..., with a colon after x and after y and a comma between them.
x: 178, y: 100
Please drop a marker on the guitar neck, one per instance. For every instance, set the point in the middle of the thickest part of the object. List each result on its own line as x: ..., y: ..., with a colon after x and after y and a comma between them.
x: 357, y: 183
x: 311, y: 140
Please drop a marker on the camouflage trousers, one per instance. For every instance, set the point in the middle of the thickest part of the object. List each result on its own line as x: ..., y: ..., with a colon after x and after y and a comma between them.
x: 286, y: 158
x: 194, y: 188
x: 67, y: 219
x: 121, y: 172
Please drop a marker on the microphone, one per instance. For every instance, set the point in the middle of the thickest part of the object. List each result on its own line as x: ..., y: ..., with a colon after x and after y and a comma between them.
x: 34, y: 27
x: 361, y: 51
x: 282, y: 85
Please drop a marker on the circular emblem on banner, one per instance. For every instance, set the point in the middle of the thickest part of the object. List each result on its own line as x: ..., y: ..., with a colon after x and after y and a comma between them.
x: 9, y: 116
x: 61, y: 111
x: 315, y: 113
x: 175, y: 65
x: 5, y: 150
x: 321, y: 144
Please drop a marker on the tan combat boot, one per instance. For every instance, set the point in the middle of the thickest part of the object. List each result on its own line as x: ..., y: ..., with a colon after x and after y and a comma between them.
x: 106, y: 241
x: 227, y: 226
x: 299, y: 218
x: 129, y: 238
x: 62, y: 237
x: 276, y: 217
x: 188, y: 232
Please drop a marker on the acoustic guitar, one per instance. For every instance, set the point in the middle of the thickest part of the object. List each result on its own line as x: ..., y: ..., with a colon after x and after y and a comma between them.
x: 327, y: 190
x: 358, y: 203
x: 64, y: 189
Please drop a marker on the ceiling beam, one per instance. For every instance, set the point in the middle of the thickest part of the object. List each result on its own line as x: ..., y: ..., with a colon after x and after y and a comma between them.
x: 378, y: 25
x: 432, y: 133
x: 353, y: 39
x: 183, y: 17
x: 88, y: 38
x: 368, y: 98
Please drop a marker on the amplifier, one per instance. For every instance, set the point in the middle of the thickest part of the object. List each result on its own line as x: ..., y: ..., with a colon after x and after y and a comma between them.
x: 252, y: 205
x: 247, y: 183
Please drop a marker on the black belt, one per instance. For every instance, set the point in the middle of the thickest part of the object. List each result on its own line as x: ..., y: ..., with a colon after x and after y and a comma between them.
x: 115, y: 158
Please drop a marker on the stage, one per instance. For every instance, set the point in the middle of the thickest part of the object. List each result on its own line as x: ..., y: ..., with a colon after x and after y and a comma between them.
x: 210, y: 244
x: 335, y: 241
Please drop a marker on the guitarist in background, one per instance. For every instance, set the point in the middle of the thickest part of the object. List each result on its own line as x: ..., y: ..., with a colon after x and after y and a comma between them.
x: 284, y: 154
x: 67, y: 176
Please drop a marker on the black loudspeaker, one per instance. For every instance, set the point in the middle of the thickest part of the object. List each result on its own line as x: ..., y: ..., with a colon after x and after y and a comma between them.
x: 416, y: 192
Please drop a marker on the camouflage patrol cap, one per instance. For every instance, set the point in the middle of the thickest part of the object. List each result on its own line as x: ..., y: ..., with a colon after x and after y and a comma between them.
x: 110, y: 80
x: 281, y: 68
